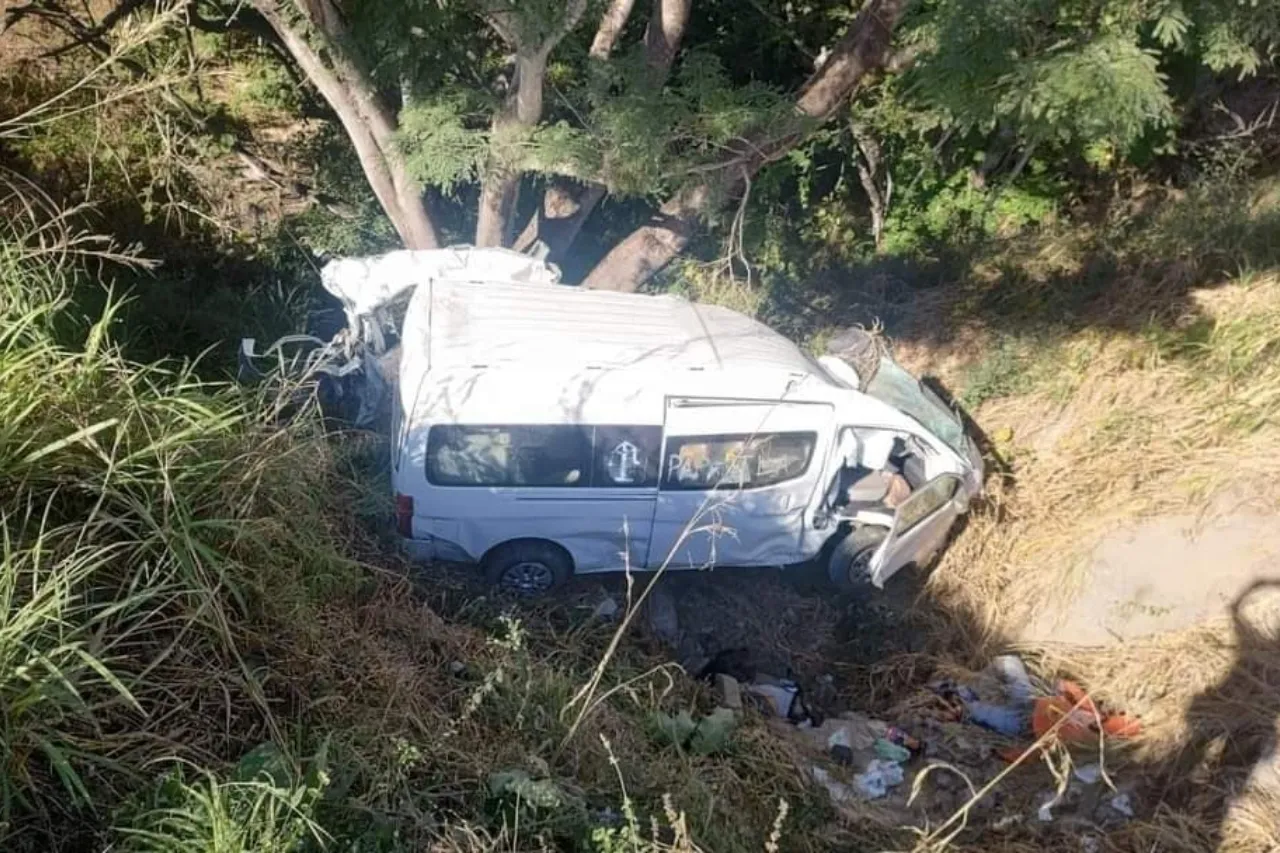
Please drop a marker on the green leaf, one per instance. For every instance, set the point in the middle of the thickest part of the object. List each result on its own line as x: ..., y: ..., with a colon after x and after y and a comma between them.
x: 676, y: 729
x: 1171, y: 28
x: 67, y: 774
x: 264, y: 761
x: 714, y: 732
x: 537, y: 793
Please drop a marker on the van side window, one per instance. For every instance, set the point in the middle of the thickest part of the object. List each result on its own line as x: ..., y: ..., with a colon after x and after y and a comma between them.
x: 626, y: 456
x: 736, y: 461
x: 508, y: 456
x: 544, y: 456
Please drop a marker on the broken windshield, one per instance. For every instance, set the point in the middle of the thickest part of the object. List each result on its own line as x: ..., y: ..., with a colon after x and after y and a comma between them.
x: 895, y: 386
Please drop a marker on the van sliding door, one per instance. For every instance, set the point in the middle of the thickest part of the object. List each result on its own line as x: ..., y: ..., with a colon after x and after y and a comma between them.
x: 737, y: 478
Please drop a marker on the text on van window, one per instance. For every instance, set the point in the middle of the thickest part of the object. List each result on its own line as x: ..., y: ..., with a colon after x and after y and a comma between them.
x: 736, y: 461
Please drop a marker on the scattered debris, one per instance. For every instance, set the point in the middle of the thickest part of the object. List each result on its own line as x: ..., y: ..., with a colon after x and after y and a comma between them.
x: 1121, y: 804
x: 838, y: 791
x: 606, y: 610
x: 896, y: 735
x: 1006, y: 720
x: 841, y: 753
x: 1011, y: 715
x: 889, y: 751
x: 1011, y: 670
x: 1079, y: 717
x: 875, y: 782
x: 963, y: 703
x: 1088, y: 773
x: 969, y: 725
x: 851, y: 731
x: 729, y: 691
x: 871, y: 784
x: 848, y: 739
x: 778, y: 697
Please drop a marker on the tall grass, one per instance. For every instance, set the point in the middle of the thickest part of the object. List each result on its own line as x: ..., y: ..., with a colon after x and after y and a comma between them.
x: 178, y: 595
x: 149, y: 522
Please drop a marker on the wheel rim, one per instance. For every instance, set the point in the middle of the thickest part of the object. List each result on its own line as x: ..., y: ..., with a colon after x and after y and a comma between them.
x: 860, y: 565
x: 528, y: 576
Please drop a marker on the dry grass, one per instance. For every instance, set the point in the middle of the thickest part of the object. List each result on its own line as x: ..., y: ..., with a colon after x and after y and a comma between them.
x: 1106, y: 422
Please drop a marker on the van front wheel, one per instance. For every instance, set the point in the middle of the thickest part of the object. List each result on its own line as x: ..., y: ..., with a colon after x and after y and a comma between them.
x: 849, y: 565
x: 527, y: 567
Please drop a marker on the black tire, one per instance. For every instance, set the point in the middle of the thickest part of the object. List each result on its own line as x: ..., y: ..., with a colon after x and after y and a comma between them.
x: 847, y: 565
x: 527, y: 566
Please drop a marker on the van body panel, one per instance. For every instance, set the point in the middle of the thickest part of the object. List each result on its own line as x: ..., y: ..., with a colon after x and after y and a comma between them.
x: 599, y: 534
x: 724, y: 517
x: 462, y: 324
x: 528, y: 355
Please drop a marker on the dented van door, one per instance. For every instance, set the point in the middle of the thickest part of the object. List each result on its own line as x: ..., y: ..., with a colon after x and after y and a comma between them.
x: 737, y: 481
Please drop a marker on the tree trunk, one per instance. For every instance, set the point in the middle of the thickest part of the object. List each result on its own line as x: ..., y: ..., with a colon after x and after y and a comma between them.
x: 651, y: 247
x: 557, y: 223
x: 369, y: 123
x: 662, y: 36
x: 563, y: 213
x: 868, y: 175
x: 611, y: 24
x: 500, y: 186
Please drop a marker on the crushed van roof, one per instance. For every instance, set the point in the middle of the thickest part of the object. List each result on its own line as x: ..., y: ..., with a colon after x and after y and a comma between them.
x: 488, y: 323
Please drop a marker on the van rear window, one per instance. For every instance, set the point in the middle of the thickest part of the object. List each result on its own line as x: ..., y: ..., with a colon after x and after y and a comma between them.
x: 544, y: 456
x: 737, y: 461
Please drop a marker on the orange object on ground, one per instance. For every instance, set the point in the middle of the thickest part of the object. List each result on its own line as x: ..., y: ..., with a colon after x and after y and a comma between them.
x: 1080, y: 717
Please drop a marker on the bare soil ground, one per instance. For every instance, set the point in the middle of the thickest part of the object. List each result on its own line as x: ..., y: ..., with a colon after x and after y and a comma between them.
x: 1167, y: 573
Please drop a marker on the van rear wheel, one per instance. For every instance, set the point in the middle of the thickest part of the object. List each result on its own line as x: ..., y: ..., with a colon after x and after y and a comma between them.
x: 527, y: 567
x: 849, y: 565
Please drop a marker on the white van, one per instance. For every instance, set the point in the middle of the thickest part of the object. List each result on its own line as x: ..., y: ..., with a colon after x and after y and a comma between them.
x: 542, y: 430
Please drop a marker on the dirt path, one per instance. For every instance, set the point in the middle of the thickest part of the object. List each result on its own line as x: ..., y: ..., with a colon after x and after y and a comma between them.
x: 1164, y: 574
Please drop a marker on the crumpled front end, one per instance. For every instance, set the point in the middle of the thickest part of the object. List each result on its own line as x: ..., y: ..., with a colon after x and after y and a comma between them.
x: 356, y: 367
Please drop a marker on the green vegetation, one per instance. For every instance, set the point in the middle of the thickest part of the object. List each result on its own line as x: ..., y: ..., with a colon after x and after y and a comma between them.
x: 194, y: 657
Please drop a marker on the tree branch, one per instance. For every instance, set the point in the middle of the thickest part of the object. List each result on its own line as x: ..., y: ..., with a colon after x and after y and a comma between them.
x: 368, y: 120
x: 868, y: 171
x: 663, y: 35
x: 649, y: 248
x: 564, y: 211
x: 93, y: 35
x: 611, y: 24
x: 520, y: 113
